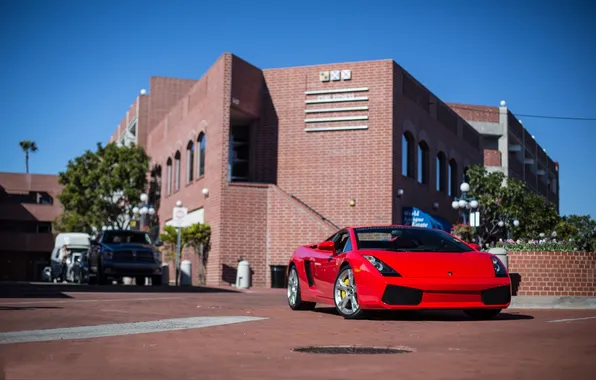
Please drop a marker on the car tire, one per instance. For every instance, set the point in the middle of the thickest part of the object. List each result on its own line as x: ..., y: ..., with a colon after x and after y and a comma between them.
x: 482, y: 314
x: 344, y: 289
x: 293, y: 292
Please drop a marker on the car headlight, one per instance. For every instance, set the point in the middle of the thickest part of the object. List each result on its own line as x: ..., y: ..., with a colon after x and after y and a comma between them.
x: 499, y: 268
x: 383, y: 268
x: 157, y: 255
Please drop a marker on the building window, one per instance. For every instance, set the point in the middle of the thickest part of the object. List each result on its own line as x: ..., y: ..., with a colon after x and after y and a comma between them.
x: 190, y: 159
x: 466, y: 177
x: 453, y: 183
x: 44, y: 227
x: 239, y: 153
x: 441, y: 172
x: 423, y: 164
x: 407, y: 155
x: 177, y: 171
x: 201, y: 157
x: 169, y: 176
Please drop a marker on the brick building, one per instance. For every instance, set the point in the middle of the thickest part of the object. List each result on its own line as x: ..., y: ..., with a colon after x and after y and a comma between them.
x: 28, y: 206
x: 280, y: 157
x: 511, y: 149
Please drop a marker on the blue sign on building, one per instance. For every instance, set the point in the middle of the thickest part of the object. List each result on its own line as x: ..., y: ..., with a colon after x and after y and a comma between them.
x: 413, y: 216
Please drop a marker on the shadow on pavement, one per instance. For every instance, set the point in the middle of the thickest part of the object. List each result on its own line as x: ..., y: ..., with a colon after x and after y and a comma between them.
x: 426, y: 315
x: 8, y: 308
x: 51, y: 290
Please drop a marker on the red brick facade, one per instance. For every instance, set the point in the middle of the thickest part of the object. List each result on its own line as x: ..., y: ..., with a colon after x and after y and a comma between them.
x: 28, y: 206
x: 264, y: 217
x: 492, y: 157
x: 554, y: 273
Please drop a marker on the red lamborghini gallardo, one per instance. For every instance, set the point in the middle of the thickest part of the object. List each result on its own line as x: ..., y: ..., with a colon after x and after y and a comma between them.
x: 397, y: 268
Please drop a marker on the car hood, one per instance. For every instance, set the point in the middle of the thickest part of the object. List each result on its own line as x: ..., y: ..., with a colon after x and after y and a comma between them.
x: 437, y: 264
x: 126, y: 247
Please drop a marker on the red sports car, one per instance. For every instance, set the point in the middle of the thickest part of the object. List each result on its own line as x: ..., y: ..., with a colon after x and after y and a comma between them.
x: 397, y: 268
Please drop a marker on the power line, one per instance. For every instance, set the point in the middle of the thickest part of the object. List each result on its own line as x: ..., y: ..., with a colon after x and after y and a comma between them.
x: 525, y: 115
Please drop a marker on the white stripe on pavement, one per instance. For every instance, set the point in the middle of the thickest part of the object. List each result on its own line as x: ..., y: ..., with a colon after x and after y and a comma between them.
x: 117, y: 329
x: 572, y: 319
x: 92, y: 300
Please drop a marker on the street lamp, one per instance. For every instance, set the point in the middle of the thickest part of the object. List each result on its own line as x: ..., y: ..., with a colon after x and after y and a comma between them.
x: 503, y: 223
x: 143, y: 210
x: 464, y: 202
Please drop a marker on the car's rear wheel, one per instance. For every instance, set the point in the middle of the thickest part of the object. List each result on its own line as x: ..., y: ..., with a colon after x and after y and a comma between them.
x: 345, y: 295
x: 482, y: 313
x: 294, y: 297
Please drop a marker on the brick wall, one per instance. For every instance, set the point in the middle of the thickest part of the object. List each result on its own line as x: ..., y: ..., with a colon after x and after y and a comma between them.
x: 492, y: 157
x: 476, y: 113
x: 553, y: 273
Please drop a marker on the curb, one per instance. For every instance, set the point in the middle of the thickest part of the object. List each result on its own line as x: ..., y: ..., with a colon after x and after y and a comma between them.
x: 553, y: 302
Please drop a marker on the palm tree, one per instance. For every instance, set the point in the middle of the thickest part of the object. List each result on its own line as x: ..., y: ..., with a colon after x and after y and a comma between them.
x: 28, y: 146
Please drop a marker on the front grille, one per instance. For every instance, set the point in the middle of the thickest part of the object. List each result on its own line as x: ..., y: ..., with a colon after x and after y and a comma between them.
x: 401, y: 295
x: 497, y: 296
x: 133, y: 256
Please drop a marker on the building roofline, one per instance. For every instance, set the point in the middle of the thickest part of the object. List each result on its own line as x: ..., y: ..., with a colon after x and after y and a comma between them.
x: 329, y: 63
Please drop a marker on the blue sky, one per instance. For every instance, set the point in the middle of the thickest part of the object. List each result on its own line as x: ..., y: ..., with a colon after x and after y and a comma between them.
x: 70, y: 69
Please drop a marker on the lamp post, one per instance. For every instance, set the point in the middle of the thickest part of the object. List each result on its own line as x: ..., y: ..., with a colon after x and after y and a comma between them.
x: 503, y: 223
x: 465, y: 202
x: 145, y: 209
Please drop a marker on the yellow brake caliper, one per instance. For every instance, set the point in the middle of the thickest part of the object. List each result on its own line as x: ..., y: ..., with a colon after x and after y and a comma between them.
x: 343, y: 292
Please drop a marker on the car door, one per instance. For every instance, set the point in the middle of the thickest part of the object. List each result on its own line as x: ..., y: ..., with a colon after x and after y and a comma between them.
x: 326, y: 265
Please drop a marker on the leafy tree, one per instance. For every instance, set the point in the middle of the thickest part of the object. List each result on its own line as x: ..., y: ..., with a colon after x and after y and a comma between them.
x: 581, y: 229
x: 197, y: 236
x: 507, y: 199
x: 101, y: 187
x: 28, y: 146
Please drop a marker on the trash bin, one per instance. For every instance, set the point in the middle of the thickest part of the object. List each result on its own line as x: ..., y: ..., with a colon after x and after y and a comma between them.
x: 243, y: 275
x: 278, y: 276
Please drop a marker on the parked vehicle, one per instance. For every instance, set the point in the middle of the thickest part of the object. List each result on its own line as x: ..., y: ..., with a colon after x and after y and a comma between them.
x: 115, y: 254
x: 76, y: 243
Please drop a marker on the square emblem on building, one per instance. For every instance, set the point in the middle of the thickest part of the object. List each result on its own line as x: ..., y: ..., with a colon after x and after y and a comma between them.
x: 346, y: 74
x: 335, y: 75
x: 324, y: 76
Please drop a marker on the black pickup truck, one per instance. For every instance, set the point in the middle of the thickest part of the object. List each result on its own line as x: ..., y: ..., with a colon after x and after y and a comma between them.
x: 115, y: 254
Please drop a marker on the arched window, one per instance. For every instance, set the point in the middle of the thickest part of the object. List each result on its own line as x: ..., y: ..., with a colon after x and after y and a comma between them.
x: 169, y: 176
x: 202, y: 142
x: 453, y: 178
x: 423, y: 162
x: 177, y: 171
x: 441, y: 174
x: 407, y: 155
x: 190, y: 160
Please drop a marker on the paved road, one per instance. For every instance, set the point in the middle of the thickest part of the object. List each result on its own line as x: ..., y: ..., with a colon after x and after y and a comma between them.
x: 260, y: 332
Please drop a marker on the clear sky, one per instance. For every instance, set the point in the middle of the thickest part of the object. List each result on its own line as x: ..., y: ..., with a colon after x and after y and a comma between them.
x: 69, y: 69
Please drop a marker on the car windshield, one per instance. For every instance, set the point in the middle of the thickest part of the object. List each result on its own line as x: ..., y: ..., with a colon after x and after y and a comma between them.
x: 408, y: 239
x: 124, y: 237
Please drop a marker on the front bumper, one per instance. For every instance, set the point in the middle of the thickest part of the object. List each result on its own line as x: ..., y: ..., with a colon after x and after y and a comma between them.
x: 115, y: 268
x: 378, y: 292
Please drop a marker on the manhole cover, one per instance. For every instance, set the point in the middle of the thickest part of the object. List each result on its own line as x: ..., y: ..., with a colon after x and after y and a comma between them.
x: 352, y: 350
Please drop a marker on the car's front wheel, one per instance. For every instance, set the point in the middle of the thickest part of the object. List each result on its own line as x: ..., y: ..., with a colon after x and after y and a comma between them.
x: 294, y: 297
x: 482, y: 313
x: 345, y: 295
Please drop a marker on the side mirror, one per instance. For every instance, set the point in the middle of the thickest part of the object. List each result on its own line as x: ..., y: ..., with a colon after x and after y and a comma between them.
x: 475, y: 246
x: 158, y: 243
x: 327, y: 246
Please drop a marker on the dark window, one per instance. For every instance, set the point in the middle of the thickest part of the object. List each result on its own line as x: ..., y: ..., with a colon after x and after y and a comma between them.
x: 407, y: 155
x: 121, y: 237
x: 190, y: 161
x: 423, y: 162
x: 44, y: 227
x: 202, y: 145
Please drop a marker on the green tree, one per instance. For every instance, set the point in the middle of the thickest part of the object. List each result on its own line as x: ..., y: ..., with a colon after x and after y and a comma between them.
x: 507, y: 199
x: 197, y: 236
x: 169, y: 238
x: 579, y: 228
x: 28, y: 146
x: 101, y: 187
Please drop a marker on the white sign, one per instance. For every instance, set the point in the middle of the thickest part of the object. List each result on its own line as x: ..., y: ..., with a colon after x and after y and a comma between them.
x: 475, y: 219
x: 336, y: 96
x: 179, y: 217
